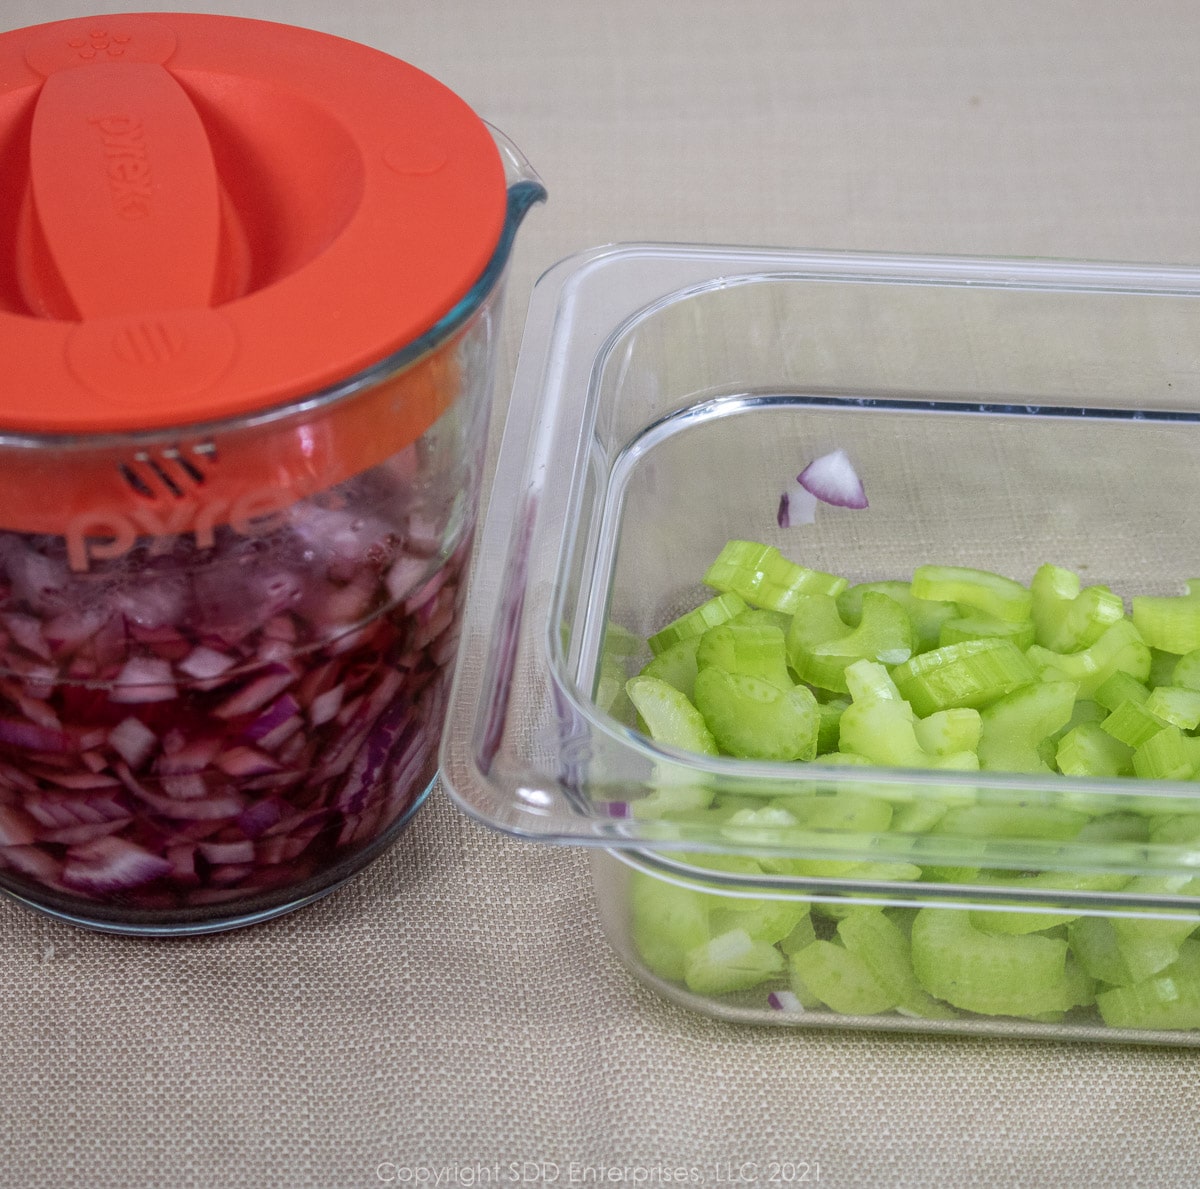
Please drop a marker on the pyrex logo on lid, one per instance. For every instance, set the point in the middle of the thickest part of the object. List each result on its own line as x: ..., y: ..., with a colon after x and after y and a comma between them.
x: 127, y: 164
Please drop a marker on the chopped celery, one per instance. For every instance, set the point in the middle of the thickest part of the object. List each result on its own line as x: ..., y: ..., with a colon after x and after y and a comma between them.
x: 925, y: 615
x: 1011, y: 821
x: 763, y: 577
x: 831, y: 723
x: 1014, y: 726
x: 1185, y: 670
x: 980, y: 589
x: 1176, y: 704
x: 671, y: 801
x: 870, y: 682
x: 752, y: 649
x: 1170, y: 1000
x: 1088, y: 750
x: 980, y: 627
x: 732, y: 961
x: 1036, y: 919
x: 1169, y: 624
x: 1164, y: 756
x: 842, y: 980
x: 1096, y: 695
x: 1132, y: 723
x: 1067, y: 619
x: 1120, y: 649
x: 821, y: 646
x: 1120, y: 687
x: 698, y: 621
x: 753, y: 719
x: 973, y: 673
x: 992, y: 974
x: 667, y: 922
x: 947, y: 731
x: 669, y: 716
x: 886, y: 951
x: 676, y: 665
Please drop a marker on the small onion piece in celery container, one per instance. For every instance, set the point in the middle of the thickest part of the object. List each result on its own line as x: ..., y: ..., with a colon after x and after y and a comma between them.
x: 833, y: 480
x: 237, y: 493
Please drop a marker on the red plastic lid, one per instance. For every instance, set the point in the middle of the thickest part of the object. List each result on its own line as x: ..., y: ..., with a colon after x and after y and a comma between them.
x: 207, y: 216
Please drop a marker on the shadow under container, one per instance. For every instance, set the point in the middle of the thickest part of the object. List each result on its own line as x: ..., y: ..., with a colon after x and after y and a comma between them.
x: 249, y: 327
x: 1001, y: 414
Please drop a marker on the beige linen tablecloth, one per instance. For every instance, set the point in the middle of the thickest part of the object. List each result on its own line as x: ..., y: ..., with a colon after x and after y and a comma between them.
x: 454, y: 1016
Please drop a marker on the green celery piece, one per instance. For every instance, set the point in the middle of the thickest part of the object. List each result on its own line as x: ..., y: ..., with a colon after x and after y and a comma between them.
x: 979, y: 589
x: 802, y: 935
x: 610, y: 688
x: 886, y: 951
x: 762, y: 919
x: 974, y: 673
x: 1120, y: 649
x: 671, y: 802
x: 882, y: 732
x: 1096, y: 948
x: 1150, y: 945
x: 869, y: 681
x: 1171, y: 624
x: 831, y: 724
x: 948, y: 731
x: 821, y: 646
x: 697, y: 621
x: 918, y: 817
x: 841, y: 980
x: 667, y: 923
x: 731, y: 961
x: 676, y: 665
x: 1015, y: 725
x: 669, y: 717
x: 1132, y: 723
x: 1066, y: 618
x: 1164, y: 756
x: 752, y: 719
x: 979, y: 627
x: 1115, y: 827
x: 763, y: 577
x: 987, y: 973
x: 1084, y: 711
x: 925, y: 615
x: 1162, y: 668
x: 1088, y: 750
x: 1176, y: 704
x: 1040, y: 822
x: 1186, y: 670
x: 1118, y: 688
x: 1170, y: 1001
x: 755, y: 650
x: 763, y: 618
x: 842, y: 811
x: 1175, y: 828
x: 1036, y: 919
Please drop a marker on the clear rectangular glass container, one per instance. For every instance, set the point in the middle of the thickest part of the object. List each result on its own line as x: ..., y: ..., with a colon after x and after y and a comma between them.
x: 1001, y: 414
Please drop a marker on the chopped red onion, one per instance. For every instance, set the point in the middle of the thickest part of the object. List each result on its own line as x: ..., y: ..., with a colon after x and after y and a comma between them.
x: 15, y: 827
x: 833, y: 480
x: 219, y: 724
x: 204, y: 663
x: 797, y: 506
x: 133, y: 741
x: 144, y: 679
x: 785, y: 1001
x: 112, y: 864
